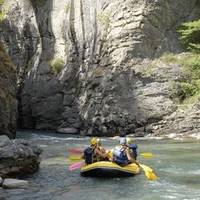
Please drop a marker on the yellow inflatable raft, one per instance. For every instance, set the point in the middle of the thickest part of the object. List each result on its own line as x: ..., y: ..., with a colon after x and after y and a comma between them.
x: 109, y: 169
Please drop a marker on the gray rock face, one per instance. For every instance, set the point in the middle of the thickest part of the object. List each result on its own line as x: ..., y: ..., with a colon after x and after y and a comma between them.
x: 182, y: 122
x: 18, y: 157
x: 8, y: 103
x: 108, y: 82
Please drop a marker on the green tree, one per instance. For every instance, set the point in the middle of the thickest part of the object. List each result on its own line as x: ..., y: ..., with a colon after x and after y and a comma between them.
x: 190, y: 35
x: 189, y: 87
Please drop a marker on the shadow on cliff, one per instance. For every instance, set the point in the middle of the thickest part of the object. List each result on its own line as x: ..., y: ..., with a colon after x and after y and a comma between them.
x: 22, y: 45
x: 8, y: 104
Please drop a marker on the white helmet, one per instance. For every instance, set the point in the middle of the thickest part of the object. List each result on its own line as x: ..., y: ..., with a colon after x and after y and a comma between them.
x: 122, y: 141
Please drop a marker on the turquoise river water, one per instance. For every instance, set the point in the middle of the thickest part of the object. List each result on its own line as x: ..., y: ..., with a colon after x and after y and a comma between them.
x: 176, y: 163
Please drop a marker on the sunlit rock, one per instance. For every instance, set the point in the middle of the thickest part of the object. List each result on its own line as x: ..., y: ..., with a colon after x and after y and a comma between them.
x: 9, y: 183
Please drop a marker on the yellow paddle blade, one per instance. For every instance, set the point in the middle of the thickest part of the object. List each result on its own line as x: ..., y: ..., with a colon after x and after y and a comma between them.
x: 75, y: 158
x: 147, y: 155
x: 148, y: 172
x: 109, y: 154
x: 146, y: 168
x: 150, y: 176
x: 153, y: 177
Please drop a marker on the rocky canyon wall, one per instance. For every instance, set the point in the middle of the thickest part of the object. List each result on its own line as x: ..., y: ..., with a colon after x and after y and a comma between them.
x: 87, y: 66
x: 8, y: 102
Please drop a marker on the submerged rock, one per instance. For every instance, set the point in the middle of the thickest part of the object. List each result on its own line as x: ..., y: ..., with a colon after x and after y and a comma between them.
x: 14, y: 183
x: 18, y: 157
x: 1, y: 181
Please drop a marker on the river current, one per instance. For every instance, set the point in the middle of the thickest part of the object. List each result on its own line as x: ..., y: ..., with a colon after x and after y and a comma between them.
x: 176, y: 162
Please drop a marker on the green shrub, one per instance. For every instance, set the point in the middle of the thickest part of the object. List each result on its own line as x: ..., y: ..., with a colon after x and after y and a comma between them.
x: 149, y: 70
x: 40, y: 2
x: 169, y: 58
x: 191, y: 66
x: 190, y: 35
x: 2, y: 16
x: 56, y: 65
x: 185, y: 90
x: 67, y: 7
x: 2, y: 2
x: 2, y: 12
x: 103, y: 19
x: 189, y: 87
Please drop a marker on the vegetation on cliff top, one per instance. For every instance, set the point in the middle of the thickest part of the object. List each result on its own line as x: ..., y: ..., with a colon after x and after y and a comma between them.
x: 190, y: 35
x: 188, y: 89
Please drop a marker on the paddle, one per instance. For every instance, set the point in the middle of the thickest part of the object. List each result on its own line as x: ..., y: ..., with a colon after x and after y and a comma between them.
x: 148, y: 172
x: 75, y: 158
x: 146, y: 155
x: 75, y: 154
x: 76, y: 165
x: 75, y: 151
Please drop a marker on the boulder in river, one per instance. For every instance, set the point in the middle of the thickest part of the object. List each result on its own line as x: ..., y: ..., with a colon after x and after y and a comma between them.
x: 10, y: 183
x: 18, y: 157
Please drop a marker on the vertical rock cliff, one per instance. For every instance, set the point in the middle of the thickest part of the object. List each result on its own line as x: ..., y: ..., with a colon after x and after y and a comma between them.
x: 87, y: 65
x: 8, y: 103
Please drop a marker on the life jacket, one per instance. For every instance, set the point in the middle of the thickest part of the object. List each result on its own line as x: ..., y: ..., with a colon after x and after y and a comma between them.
x: 133, y: 150
x: 97, y: 157
x: 89, y: 156
x: 119, y: 156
